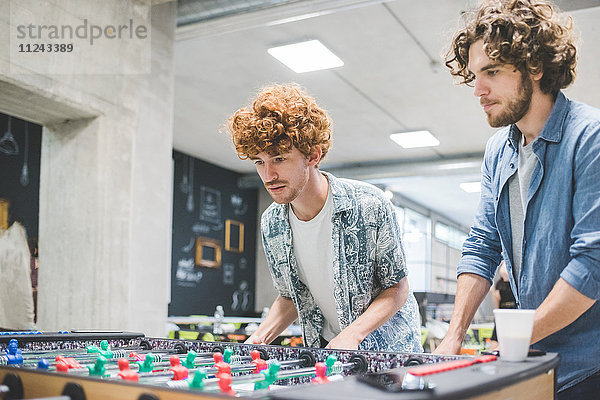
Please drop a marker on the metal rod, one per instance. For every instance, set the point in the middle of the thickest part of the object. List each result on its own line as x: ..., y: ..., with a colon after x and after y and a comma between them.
x: 53, y: 398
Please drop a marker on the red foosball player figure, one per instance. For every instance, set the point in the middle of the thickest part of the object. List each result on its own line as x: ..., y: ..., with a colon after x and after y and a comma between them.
x: 218, y: 357
x: 179, y: 371
x: 137, y: 356
x: 70, y: 362
x: 223, y: 368
x: 126, y: 372
x: 259, y: 363
x: 61, y: 367
x: 221, y: 365
x: 320, y: 373
x: 225, y: 384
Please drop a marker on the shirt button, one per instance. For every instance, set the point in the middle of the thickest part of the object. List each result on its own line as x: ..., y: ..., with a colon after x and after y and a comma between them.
x: 512, y: 165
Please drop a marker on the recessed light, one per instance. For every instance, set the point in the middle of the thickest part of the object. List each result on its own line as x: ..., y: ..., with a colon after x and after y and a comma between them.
x: 306, y: 56
x: 460, y: 165
x: 410, y: 140
x: 471, y: 187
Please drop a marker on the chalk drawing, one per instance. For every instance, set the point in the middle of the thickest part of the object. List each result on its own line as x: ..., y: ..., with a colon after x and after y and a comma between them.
x: 241, y: 297
x: 210, y: 205
x: 200, y: 228
x: 186, y: 275
x: 25, y: 169
x: 239, y: 205
x: 228, y: 274
x: 8, y: 143
x: 189, y: 205
x: 188, y: 247
x: 184, y: 185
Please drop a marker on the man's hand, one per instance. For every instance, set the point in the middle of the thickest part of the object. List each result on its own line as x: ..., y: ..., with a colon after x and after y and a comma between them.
x: 253, y: 339
x: 470, y: 291
x: 448, y: 346
x: 281, y: 315
x: 383, y: 307
x: 346, y: 340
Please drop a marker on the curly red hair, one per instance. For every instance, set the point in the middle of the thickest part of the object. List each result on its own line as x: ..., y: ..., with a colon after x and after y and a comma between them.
x: 529, y: 34
x: 280, y: 117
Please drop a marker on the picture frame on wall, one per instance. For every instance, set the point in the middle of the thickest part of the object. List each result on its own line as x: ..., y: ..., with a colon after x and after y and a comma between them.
x: 208, y: 252
x: 4, y: 205
x: 234, y: 236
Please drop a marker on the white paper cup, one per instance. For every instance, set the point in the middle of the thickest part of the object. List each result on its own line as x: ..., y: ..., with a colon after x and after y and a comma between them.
x: 513, y: 328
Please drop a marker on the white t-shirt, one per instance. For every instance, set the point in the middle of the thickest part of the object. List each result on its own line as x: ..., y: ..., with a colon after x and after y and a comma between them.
x: 313, y: 249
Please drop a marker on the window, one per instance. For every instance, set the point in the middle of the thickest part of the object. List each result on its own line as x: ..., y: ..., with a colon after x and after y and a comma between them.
x: 449, y: 235
x: 416, y: 239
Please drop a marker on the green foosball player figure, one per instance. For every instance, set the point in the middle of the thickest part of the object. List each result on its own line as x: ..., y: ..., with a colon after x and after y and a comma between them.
x: 99, y: 368
x: 104, y: 350
x: 197, y: 382
x: 148, y: 364
x: 190, y: 360
x: 270, y: 376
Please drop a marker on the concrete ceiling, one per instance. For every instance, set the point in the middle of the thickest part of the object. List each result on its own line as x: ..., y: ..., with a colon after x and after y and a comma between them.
x: 392, y: 80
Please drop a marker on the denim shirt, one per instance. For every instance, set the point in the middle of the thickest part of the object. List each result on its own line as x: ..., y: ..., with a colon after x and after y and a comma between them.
x: 367, y: 258
x: 561, y: 226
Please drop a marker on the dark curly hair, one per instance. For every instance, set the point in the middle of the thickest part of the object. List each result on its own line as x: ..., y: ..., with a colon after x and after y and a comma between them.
x: 532, y: 35
x: 280, y: 117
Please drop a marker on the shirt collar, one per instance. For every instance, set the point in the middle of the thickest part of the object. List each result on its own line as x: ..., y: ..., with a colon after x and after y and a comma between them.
x: 554, y: 126
x: 342, y: 198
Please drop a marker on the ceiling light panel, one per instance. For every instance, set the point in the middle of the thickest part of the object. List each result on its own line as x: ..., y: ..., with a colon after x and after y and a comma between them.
x: 306, y: 56
x: 471, y: 187
x: 410, y: 140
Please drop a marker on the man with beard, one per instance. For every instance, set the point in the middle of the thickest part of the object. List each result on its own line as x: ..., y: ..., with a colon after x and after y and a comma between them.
x: 540, y: 186
x: 332, y: 245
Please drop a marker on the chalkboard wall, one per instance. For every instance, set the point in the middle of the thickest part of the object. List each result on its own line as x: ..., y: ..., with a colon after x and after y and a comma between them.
x: 20, y: 149
x: 214, y: 240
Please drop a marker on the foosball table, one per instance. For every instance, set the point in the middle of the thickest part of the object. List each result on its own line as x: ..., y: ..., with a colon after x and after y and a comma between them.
x: 85, y: 365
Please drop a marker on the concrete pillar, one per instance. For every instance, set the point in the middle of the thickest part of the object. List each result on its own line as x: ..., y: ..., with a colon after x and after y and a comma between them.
x: 105, y: 184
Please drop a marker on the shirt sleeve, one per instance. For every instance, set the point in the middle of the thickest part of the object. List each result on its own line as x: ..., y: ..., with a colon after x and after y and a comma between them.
x: 276, y: 273
x: 482, y: 250
x: 583, y: 270
x: 389, y: 257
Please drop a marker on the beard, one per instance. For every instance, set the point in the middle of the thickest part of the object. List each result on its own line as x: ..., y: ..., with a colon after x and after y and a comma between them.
x: 292, y: 188
x: 288, y: 194
x: 516, y: 107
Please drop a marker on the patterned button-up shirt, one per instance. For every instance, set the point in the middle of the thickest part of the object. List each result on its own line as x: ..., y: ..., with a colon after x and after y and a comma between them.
x: 367, y: 258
